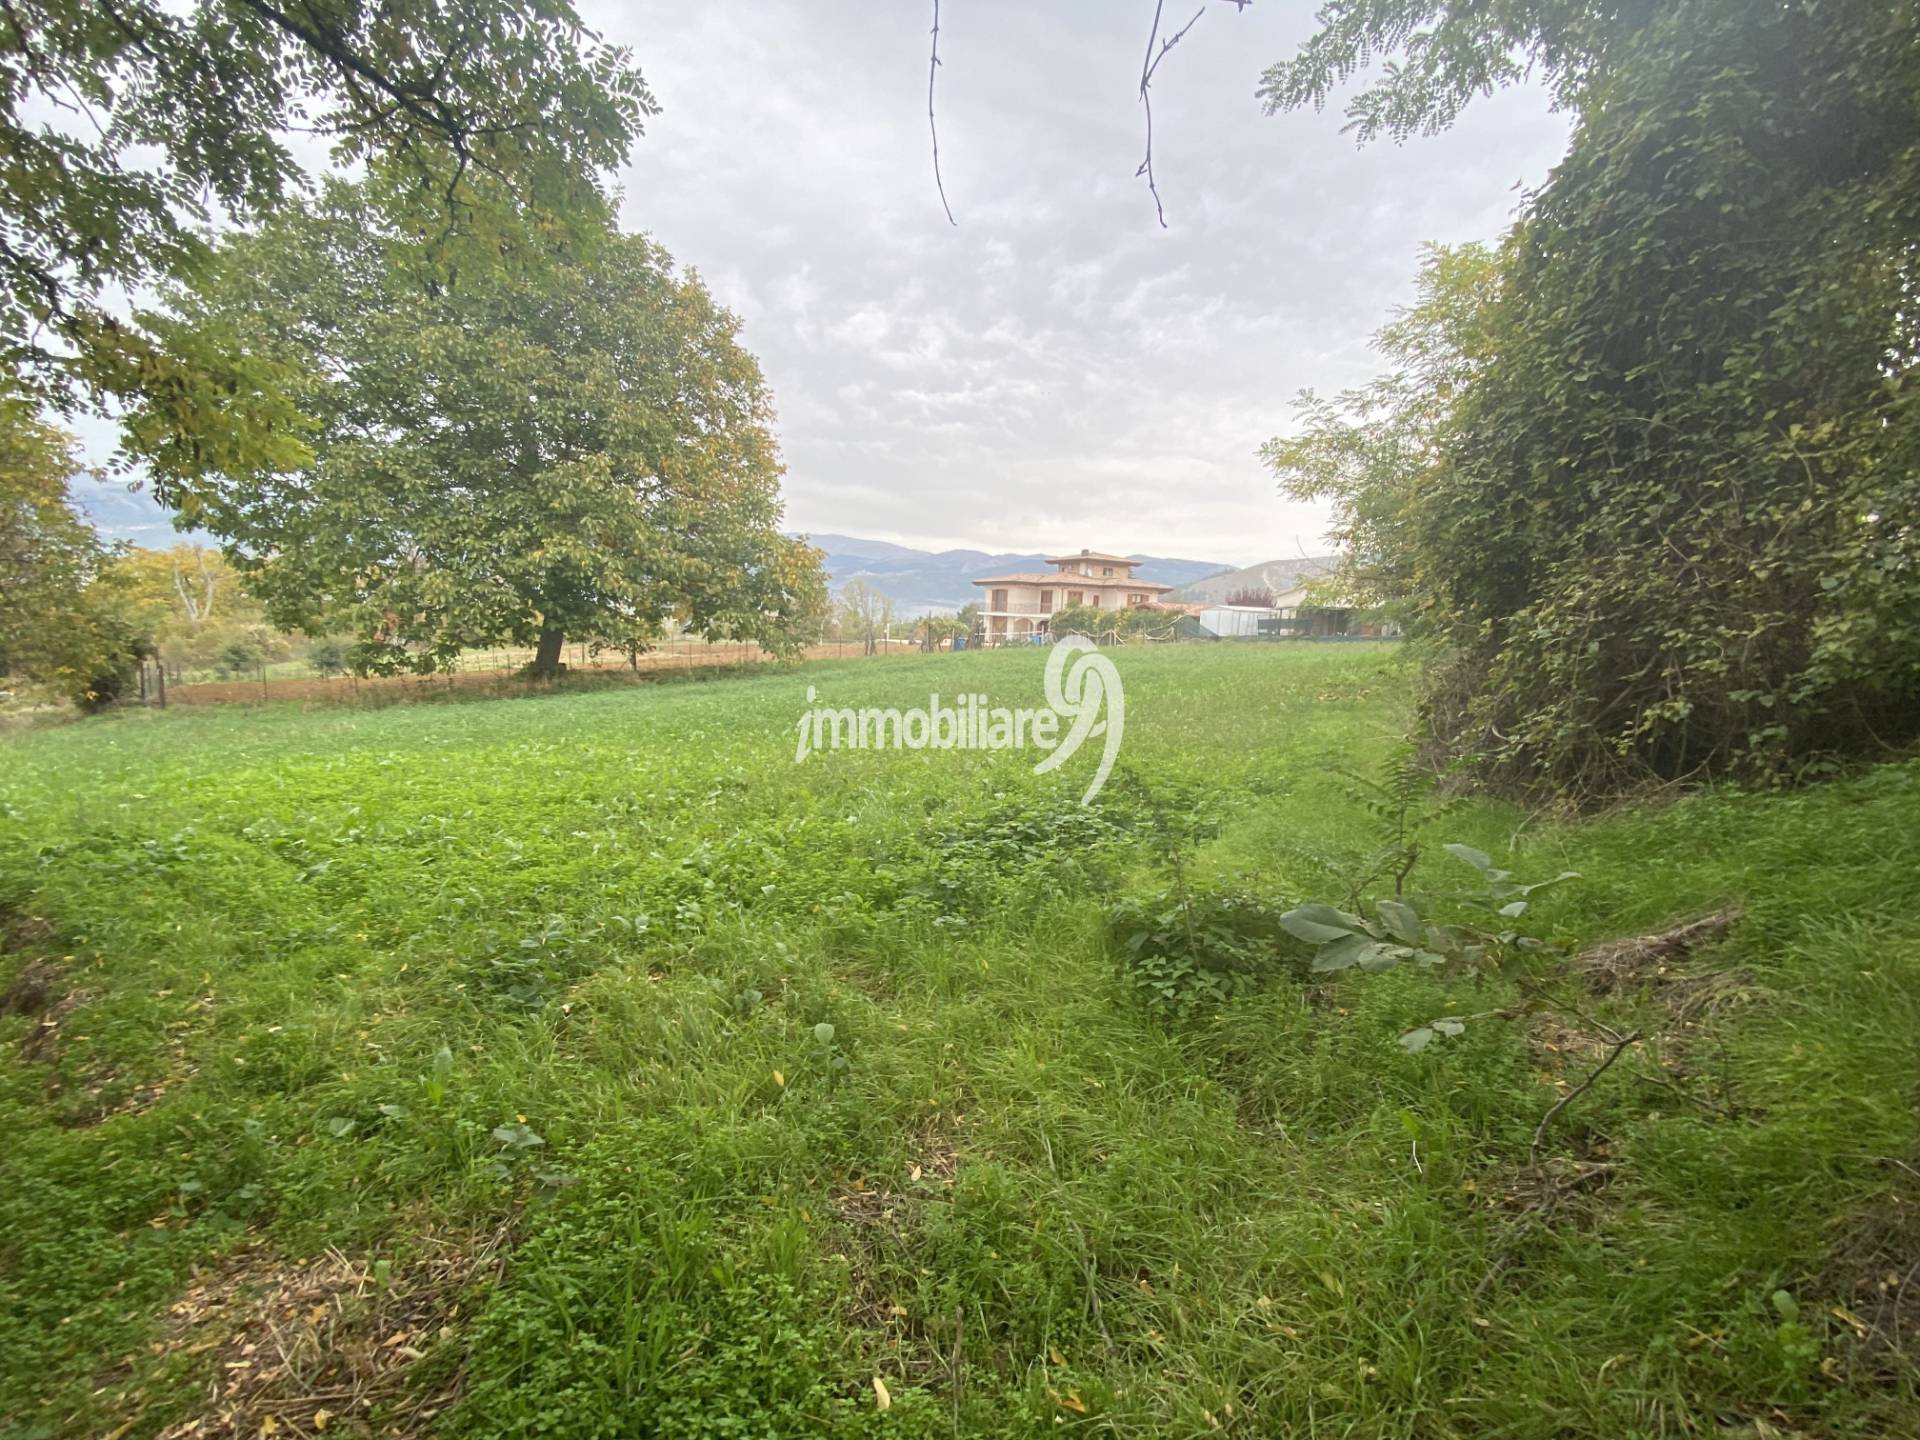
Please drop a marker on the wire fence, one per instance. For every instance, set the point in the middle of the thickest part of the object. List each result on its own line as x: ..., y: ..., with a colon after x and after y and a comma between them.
x: 507, y: 671
x: 497, y: 671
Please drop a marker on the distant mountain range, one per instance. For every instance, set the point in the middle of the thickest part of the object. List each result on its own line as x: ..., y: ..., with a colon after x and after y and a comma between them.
x: 1279, y: 576
x: 920, y: 581
x: 923, y: 582
x: 132, y: 515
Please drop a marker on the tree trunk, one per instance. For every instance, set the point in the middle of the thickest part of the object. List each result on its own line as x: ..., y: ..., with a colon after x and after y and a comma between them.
x: 546, y: 659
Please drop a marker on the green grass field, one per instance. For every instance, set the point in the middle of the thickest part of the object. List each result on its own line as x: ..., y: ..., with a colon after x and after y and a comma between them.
x: 463, y: 1069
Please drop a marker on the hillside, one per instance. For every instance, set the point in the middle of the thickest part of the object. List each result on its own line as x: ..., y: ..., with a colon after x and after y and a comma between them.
x: 921, y: 581
x: 1279, y: 576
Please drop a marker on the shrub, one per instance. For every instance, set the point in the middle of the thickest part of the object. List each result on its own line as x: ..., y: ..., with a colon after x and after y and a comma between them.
x: 328, y: 656
x: 1179, y: 949
x: 237, y: 658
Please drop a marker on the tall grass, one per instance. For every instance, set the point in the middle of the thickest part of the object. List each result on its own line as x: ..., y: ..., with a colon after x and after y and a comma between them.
x: 302, y: 967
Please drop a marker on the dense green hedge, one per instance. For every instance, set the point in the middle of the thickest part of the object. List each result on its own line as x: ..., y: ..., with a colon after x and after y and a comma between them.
x: 1656, y: 502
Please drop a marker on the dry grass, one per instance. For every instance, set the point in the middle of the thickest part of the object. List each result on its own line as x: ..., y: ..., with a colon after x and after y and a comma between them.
x: 39, y: 993
x: 1872, y: 1282
x: 21, y: 931
x: 1650, y: 959
x: 878, y: 1221
x: 327, y: 1345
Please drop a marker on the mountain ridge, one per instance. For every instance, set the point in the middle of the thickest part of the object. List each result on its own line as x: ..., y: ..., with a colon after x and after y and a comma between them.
x: 1278, y: 576
x: 929, y: 581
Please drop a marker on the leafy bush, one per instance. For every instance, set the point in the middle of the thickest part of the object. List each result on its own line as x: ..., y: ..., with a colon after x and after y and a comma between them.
x: 1646, y: 475
x: 1179, y: 949
x: 1402, y: 931
x: 979, y: 862
x: 238, y: 658
x: 328, y: 656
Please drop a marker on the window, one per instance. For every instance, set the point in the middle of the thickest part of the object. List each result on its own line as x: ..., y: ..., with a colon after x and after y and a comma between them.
x: 1074, y: 597
x: 1106, y: 569
x: 1136, y: 599
x: 999, y: 600
x: 1046, y: 601
x: 1094, y: 601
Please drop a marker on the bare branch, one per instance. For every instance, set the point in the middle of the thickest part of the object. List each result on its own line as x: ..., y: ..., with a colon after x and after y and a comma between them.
x: 1148, y: 66
x: 933, y: 65
x: 1619, y: 1047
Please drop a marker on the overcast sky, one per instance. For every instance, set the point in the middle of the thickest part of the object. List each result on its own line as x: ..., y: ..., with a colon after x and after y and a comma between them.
x: 1056, y: 370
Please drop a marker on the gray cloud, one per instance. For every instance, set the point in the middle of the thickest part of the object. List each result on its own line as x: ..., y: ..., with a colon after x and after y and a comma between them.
x: 1057, y: 369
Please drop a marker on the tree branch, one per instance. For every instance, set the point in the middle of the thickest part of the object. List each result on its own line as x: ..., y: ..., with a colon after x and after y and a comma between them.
x: 933, y: 64
x: 1619, y: 1048
x: 1148, y: 65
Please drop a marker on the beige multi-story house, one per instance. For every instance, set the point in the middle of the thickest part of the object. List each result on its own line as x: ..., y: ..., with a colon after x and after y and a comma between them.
x: 1018, y: 607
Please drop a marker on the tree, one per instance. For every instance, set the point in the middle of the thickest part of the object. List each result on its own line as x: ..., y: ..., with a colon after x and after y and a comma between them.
x: 183, y: 588
x: 865, y: 614
x: 1257, y: 596
x: 1370, y: 450
x: 1439, y: 54
x: 934, y: 631
x: 328, y: 657
x: 60, y: 623
x: 127, y: 124
x: 1092, y: 621
x: 1656, y: 477
x: 572, y: 444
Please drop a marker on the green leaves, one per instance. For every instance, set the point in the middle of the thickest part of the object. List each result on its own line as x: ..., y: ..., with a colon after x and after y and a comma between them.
x: 472, y: 112
x: 1345, y: 952
x: 1447, y: 1027
x: 1347, y: 942
x: 1319, y: 924
x: 1479, y: 859
x: 1182, y: 947
x: 1399, y: 934
x: 1642, y: 475
x: 1502, y: 897
x: 570, y: 442
x: 1401, y: 921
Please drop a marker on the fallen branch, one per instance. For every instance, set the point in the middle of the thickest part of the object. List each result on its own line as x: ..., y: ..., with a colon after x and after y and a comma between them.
x: 1619, y: 1048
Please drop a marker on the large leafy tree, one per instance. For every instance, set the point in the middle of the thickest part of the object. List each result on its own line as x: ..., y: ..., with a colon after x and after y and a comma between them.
x: 1657, y: 503
x: 127, y: 125
x: 571, y: 443
x: 1435, y: 56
